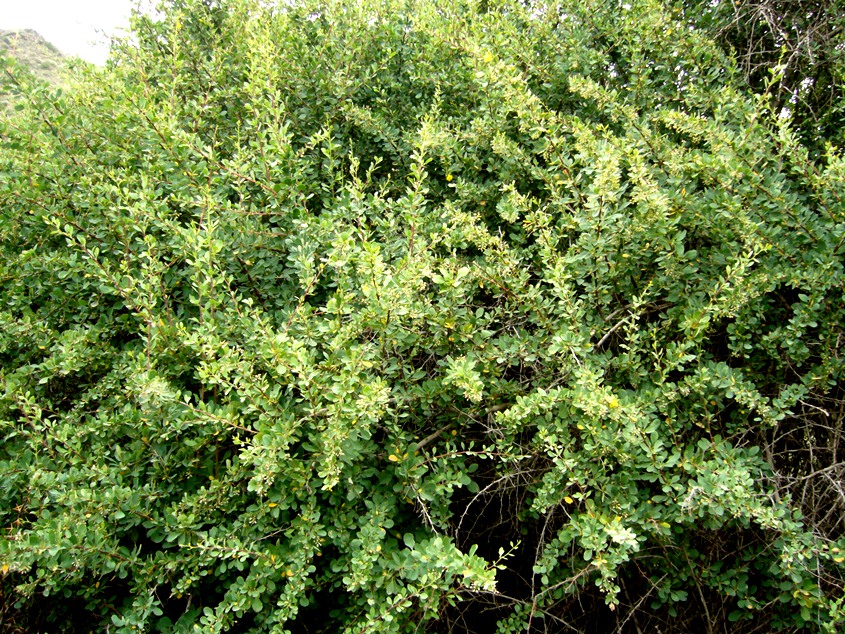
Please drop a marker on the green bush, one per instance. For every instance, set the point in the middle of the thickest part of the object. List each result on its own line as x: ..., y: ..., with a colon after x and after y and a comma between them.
x: 386, y: 316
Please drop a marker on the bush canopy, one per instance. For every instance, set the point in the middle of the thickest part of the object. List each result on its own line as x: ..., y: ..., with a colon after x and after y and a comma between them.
x: 396, y: 316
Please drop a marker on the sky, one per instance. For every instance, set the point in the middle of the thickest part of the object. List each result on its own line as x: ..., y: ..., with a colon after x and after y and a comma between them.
x: 75, y: 27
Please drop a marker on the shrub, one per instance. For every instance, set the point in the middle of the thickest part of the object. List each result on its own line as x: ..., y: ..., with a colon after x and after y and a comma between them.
x: 382, y: 316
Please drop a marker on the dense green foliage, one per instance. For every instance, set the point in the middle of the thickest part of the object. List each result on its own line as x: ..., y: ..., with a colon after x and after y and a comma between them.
x: 397, y: 316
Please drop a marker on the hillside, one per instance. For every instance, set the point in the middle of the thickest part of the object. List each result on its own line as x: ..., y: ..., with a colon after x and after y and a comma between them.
x: 30, y: 49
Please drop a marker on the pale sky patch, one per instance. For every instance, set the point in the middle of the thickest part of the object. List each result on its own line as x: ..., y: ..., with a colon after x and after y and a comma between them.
x: 75, y: 27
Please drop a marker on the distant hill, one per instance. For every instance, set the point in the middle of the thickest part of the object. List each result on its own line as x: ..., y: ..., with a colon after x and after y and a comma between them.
x: 33, y: 51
